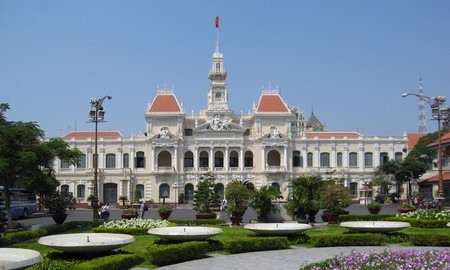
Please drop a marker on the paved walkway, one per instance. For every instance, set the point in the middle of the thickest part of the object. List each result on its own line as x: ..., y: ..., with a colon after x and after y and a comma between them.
x: 278, y: 259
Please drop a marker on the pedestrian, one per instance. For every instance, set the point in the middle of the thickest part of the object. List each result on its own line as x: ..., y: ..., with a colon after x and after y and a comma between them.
x: 141, y: 209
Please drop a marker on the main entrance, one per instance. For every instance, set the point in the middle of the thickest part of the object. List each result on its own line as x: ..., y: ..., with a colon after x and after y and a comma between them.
x: 110, y: 193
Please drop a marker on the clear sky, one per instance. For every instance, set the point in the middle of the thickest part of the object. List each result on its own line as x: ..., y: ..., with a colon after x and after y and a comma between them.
x: 348, y: 61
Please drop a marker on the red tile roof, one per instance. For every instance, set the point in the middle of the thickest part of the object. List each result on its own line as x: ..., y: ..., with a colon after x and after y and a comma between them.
x: 271, y: 103
x: 91, y: 134
x: 165, y: 103
x: 445, y: 139
x: 435, y: 178
x: 413, y: 138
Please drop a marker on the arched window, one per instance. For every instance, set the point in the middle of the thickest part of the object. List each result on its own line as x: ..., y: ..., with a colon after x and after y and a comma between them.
x: 248, y: 159
x: 309, y: 162
x: 234, y: 159
x: 296, y: 159
x: 353, y: 159
x: 324, y: 159
x: 203, y: 160
x: 82, y: 161
x: 188, y: 159
x: 110, y: 161
x: 220, y: 190
x: 218, y: 159
x: 164, y: 159
x: 368, y: 159
x: 64, y: 188
x: 276, y: 186
x: 126, y: 160
x: 398, y: 156
x: 140, y: 159
x: 81, y: 191
x: 273, y: 158
x: 354, y: 188
x: 140, y: 187
x: 339, y: 159
x: 217, y: 67
x: 164, y: 191
x: 384, y: 158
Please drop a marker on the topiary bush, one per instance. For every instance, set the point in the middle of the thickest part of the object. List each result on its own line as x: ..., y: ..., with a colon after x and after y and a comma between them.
x: 421, y: 223
x: 351, y: 239
x: 250, y: 244
x: 425, y: 239
x: 116, y: 262
x: 198, y: 222
x: 368, y: 217
x: 175, y: 253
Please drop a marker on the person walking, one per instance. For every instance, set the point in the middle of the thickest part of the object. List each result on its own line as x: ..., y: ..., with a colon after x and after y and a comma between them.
x: 141, y: 210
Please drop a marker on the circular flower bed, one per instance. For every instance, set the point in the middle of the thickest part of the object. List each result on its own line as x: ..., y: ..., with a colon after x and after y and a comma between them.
x: 402, y: 259
x: 135, y: 223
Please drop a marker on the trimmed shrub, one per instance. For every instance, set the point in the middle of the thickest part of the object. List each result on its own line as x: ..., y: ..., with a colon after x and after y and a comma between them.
x: 421, y: 223
x: 198, y: 222
x: 175, y: 253
x: 116, y: 262
x: 425, y: 239
x: 368, y: 217
x: 351, y: 239
x: 250, y: 244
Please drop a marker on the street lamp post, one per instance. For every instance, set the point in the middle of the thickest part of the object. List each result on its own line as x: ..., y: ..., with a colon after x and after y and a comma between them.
x: 96, y: 114
x: 437, y: 114
x: 175, y: 187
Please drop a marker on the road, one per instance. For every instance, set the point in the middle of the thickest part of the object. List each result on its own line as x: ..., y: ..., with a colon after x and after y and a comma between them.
x: 183, y: 212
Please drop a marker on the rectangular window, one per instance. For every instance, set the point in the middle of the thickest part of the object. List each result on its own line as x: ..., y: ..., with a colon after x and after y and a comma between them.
x: 188, y: 132
x: 296, y: 159
x: 368, y: 160
x: 310, y: 160
x: 140, y: 160
x: 353, y: 159
x: 80, y: 191
x: 82, y: 161
x: 64, y: 164
x: 324, y: 160
x: 339, y: 159
x: 247, y: 132
x: 110, y: 161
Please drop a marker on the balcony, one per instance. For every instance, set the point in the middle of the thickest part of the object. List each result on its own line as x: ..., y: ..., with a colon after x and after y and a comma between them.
x: 165, y: 170
x: 275, y: 169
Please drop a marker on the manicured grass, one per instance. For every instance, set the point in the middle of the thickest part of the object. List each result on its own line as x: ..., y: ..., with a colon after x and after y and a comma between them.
x: 141, y: 241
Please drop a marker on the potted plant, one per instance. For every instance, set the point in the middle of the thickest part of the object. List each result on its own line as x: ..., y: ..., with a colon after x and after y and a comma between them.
x: 123, y: 199
x: 206, y: 199
x: 405, y: 208
x: 334, y: 197
x: 374, y: 207
x: 164, y: 211
x: 129, y: 213
x: 57, y: 204
x: 262, y: 202
x: 237, y: 193
x: 304, y: 198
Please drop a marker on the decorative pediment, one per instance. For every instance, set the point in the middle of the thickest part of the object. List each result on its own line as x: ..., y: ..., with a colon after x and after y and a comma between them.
x: 232, y: 127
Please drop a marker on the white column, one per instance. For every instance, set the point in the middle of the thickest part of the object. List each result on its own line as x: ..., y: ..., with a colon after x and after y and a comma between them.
x: 153, y: 158
x: 175, y: 162
x: 132, y: 157
x: 101, y: 157
x: 391, y: 152
x: 227, y: 162
x: 316, y: 156
x: 119, y: 158
x: 211, y: 158
x: 333, y: 162
x: 241, y: 159
x: 196, y: 157
x: 286, y: 158
x: 361, y: 158
x: 263, y: 158
x: 345, y: 156
x: 129, y: 190
x: 377, y: 156
x: 305, y: 157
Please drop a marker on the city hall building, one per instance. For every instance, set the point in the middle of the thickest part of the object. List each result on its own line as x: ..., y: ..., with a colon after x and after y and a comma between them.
x: 268, y: 146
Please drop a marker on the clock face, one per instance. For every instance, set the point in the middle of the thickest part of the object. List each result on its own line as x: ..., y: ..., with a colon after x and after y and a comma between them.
x: 218, y: 95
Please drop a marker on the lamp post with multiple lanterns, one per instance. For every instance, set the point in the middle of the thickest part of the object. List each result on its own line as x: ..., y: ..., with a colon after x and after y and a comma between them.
x: 96, y: 115
x: 437, y: 114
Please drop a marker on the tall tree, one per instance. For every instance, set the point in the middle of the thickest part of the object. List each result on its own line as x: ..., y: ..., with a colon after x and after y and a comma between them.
x: 26, y: 159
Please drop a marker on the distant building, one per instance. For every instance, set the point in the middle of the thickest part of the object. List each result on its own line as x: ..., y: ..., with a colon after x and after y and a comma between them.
x: 268, y: 146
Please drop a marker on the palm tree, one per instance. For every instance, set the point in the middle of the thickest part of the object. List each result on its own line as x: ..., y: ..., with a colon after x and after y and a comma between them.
x: 305, y: 195
x: 262, y: 202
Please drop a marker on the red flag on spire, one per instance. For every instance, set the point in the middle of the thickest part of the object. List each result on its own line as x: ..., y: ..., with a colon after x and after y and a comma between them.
x: 217, y: 22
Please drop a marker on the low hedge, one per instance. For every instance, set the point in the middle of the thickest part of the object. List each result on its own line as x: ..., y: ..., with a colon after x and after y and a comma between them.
x: 368, y: 217
x: 132, y: 231
x: 116, y: 262
x: 426, y: 239
x: 15, y: 237
x: 198, y: 222
x: 175, y: 253
x: 421, y: 223
x: 250, y: 244
x: 350, y: 239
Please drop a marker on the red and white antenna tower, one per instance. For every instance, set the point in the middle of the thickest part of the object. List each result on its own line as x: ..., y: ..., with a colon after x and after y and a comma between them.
x: 422, y: 120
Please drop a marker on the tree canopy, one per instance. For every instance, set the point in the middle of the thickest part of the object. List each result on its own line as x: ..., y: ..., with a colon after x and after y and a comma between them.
x: 26, y: 158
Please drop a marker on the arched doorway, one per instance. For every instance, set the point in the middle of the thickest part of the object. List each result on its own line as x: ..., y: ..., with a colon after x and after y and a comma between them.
x: 189, y: 194
x: 220, y: 190
x: 273, y: 158
x: 109, y: 193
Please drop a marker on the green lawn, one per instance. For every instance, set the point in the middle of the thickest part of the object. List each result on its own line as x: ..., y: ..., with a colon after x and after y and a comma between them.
x: 138, y: 246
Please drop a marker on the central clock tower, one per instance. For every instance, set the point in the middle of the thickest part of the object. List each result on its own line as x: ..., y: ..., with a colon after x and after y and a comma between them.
x: 217, y: 93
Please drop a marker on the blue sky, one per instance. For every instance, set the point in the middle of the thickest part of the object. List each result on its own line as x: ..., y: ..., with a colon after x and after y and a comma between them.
x: 349, y: 61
